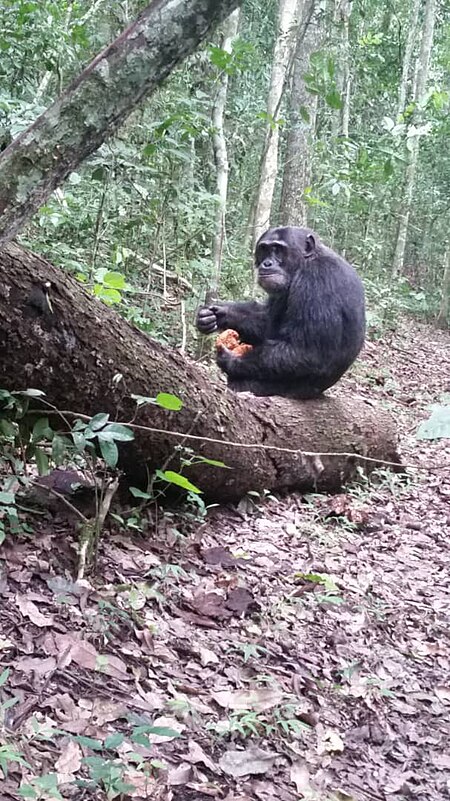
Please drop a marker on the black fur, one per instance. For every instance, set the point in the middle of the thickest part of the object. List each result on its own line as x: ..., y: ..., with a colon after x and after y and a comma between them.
x: 309, y: 331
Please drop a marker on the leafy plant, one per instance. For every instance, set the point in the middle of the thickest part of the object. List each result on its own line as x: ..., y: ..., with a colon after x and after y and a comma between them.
x: 105, y: 433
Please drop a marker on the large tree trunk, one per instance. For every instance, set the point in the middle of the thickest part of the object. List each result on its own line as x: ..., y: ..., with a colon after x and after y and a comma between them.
x: 74, y: 353
x: 98, y: 101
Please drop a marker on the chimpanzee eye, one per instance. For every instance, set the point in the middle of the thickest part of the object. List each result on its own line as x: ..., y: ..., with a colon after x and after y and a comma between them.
x: 279, y: 252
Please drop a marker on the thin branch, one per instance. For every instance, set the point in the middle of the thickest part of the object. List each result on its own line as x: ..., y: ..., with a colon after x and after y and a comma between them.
x: 246, y: 445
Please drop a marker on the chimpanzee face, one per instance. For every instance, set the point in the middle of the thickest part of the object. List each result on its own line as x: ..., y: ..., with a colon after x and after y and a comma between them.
x: 279, y: 252
x: 270, y: 257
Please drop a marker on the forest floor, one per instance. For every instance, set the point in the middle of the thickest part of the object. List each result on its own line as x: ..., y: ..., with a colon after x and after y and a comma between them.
x: 295, y: 649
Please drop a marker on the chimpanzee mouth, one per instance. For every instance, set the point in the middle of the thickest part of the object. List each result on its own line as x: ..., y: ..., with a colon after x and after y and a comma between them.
x: 271, y: 281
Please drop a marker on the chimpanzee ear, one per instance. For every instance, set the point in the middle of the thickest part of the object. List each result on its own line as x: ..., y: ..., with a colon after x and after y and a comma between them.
x: 310, y: 246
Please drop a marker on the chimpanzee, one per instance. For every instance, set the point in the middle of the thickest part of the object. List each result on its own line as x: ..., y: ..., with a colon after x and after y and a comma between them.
x: 310, y: 329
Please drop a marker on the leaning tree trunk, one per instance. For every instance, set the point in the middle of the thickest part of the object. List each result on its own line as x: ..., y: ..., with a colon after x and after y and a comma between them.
x: 98, y: 101
x: 75, y: 353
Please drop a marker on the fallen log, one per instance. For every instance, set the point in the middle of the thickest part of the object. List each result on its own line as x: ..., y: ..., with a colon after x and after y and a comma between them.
x: 76, y: 351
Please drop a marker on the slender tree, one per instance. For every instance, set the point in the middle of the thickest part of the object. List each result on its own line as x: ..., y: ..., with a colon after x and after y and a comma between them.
x: 407, y: 56
x: 412, y: 152
x: 288, y: 18
x: 229, y: 31
x: 443, y: 317
x: 342, y: 12
x: 302, y: 116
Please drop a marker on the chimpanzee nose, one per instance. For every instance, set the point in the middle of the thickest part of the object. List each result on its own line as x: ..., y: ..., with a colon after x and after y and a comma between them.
x: 267, y: 263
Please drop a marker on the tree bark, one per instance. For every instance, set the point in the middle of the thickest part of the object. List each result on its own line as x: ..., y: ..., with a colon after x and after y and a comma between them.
x: 341, y: 117
x: 298, y: 156
x: 412, y: 152
x: 230, y: 28
x: 98, y: 101
x: 407, y: 56
x: 443, y: 316
x: 287, y: 22
x: 346, y: 74
x: 75, y: 353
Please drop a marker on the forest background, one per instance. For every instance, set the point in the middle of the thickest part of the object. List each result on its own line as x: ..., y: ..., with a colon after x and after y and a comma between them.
x: 333, y: 114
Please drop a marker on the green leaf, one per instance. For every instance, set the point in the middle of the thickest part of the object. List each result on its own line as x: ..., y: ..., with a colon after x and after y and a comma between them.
x: 41, y: 461
x: 9, y: 703
x: 110, y: 296
x: 218, y: 56
x: 6, y: 396
x: 88, y: 742
x: 168, y: 401
x: 4, y: 677
x: 142, y: 400
x: 333, y: 99
x: 137, y: 493
x: 116, y: 431
x: 98, y: 421
x: 437, y: 426
x: 141, y: 739
x: 149, y: 150
x: 212, y: 462
x: 30, y: 393
x: 110, y: 452
x: 161, y: 731
x: 49, y: 784
x: 8, y: 428
x: 100, y: 274
x: 59, y: 447
x: 114, y: 740
x: 27, y: 791
x: 99, y: 173
x: 179, y: 480
x: 114, y: 280
x: 41, y: 430
x: 79, y: 440
x: 7, y: 498
x: 304, y: 114
x: 164, y: 731
x: 388, y: 168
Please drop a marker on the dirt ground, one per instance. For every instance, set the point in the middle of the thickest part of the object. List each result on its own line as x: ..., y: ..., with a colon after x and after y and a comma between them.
x: 288, y: 649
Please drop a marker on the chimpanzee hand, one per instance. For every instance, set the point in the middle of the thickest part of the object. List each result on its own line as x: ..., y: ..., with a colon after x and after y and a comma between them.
x: 206, y: 320
x: 212, y: 318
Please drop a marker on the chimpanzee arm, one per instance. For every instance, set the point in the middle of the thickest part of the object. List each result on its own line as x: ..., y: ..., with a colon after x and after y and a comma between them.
x: 275, y: 360
x: 248, y: 318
